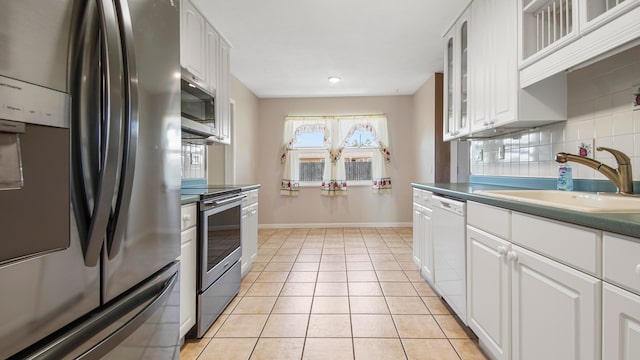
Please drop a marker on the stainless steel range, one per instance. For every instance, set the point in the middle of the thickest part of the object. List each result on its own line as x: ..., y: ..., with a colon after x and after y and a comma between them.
x: 219, y: 252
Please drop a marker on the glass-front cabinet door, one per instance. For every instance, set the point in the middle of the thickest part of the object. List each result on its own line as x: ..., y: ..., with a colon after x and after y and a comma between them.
x: 449, y: 125
x: 456, y: 79
x: 463, y: 123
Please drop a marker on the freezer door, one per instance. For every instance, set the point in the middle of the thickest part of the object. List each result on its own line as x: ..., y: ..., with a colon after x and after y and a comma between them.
x: 143, y: 234
x: 143, y: 324
x: 44, y: 284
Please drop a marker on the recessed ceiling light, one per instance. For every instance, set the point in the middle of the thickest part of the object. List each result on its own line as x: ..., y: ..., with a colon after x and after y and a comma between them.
x: 334, y: 79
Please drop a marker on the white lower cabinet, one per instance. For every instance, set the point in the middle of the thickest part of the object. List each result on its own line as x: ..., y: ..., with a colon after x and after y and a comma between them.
x: 426, y: 266
x: 621, y: 298
x: 523, y: 305
x: 620, y: 324
x: 555, y: 309
x: 249, y: 230
x: 188, y: 249
x: 422, y: 234
x: 418, y: 234
x: 488, y: 291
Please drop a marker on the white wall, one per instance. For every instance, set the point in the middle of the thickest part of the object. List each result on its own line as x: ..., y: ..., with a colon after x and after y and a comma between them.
x: 599, y: 110
x: 360, y: 206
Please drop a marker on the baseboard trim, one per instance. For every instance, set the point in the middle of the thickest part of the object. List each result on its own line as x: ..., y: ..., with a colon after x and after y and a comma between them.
x: 334, y: 225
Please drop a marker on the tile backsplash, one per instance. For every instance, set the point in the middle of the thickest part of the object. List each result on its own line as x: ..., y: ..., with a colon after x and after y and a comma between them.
x: 600, y: 113
x: 194, y: 161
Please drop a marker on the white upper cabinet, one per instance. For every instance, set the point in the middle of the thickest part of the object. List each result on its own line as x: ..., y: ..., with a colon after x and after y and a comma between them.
x: 557, y: 35
x: 545, y: 25
x: 206, y: 55
x: 497, y: 101
x: 223, y: 106
x: 192, y: 43
x: 213, y: 62
x: 456, y: 79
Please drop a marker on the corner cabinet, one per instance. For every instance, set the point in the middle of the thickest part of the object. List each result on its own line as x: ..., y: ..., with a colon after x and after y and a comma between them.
x: 249, y: 230
x: 456, y: 79
x: 188, y: 248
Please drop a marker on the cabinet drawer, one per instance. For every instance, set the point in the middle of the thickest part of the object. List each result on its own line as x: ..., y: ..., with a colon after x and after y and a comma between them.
x: 576, y: 246
x: 491, y: 219
x: 422, y: 197
x: 188, y: 216
x: 622, y: 261
x: 252, y: 198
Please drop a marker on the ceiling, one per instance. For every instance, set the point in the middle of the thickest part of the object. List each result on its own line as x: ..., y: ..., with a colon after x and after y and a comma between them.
x: 289, y: 48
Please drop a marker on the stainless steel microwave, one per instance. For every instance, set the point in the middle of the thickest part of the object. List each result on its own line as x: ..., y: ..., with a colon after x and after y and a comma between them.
x: 197, y: 108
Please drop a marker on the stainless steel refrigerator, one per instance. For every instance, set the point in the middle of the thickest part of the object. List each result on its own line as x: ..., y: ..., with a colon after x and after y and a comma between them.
x: 89, y: 179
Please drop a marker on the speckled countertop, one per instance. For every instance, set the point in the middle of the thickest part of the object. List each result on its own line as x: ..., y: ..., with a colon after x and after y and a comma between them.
x: 620, y: 223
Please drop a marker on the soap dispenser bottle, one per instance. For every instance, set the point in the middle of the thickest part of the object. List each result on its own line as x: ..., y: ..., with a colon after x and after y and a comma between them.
x: 565, y: 177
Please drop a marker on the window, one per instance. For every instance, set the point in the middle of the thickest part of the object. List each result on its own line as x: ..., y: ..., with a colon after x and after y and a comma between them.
x: 310, y: 153
x: 358, y: 156
x: 333, y: 152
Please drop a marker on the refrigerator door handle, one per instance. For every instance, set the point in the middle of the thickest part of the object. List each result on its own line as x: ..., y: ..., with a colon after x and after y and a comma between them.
x: 87, y: 341
x: 120, y: 215
x: 113, y: 108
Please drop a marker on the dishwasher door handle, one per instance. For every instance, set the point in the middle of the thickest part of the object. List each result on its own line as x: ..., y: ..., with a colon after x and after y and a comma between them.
x: 449, y: 205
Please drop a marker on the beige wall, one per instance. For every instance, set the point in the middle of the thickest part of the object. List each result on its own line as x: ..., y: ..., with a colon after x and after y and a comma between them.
x: 239, y: 157
x: 360, y: 206
x: 245, y: 133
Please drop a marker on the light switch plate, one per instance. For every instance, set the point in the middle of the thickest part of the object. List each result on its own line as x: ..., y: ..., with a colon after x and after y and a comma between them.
x: 636, y: 96
x: 501, y: 152
x: 480, y: 155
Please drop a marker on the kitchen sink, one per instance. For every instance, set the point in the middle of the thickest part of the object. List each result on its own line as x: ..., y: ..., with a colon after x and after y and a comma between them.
x: 571, y: 200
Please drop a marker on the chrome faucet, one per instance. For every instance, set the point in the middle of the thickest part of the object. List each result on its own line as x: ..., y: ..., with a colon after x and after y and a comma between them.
x: 621, y: 176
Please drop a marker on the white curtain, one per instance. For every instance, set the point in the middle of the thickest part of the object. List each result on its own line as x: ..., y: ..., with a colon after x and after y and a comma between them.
x: 334, y: 179
x: 294, y: 126
x: 377, y: 126
x: 337, y: 130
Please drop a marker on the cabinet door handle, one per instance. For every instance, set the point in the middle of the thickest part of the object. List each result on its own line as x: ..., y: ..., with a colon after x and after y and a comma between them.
x: 512, y: 256
x: 502, y: 250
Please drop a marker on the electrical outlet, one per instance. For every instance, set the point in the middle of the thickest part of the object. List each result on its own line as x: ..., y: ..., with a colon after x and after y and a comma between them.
x: 501, y: 152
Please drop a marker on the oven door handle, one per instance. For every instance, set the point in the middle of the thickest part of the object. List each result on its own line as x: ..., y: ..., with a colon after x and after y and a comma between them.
x: 224, y: 201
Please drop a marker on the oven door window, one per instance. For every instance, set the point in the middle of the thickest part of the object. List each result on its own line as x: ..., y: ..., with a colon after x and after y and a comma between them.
x: 223, y: 235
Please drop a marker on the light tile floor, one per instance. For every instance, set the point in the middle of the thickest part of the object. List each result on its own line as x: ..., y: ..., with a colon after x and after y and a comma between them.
x: 351, y: 293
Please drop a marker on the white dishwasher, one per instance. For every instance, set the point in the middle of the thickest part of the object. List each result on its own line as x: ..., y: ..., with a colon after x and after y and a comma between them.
x: 449, y: 252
